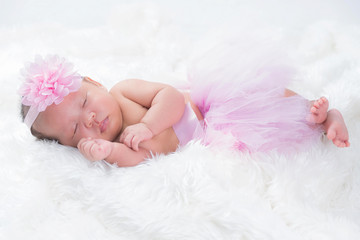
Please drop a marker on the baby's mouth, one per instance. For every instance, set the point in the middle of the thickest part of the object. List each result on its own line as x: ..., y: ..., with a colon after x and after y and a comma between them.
x: 104, y: 124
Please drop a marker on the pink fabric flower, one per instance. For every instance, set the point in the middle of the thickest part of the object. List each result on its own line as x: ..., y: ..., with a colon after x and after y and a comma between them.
x: 47, y: 81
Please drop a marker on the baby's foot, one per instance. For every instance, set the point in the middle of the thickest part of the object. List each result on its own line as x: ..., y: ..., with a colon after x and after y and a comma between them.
x: 336, y: 130
x: 318, y: 111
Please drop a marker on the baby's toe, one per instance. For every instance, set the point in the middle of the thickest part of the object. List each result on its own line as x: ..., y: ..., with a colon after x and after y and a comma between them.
x: 316, y: 104
x: 338, y: 143
x: 313, y: 109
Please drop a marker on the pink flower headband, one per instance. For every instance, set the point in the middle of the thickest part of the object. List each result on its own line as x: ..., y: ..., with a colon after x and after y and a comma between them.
x: 47, y: 81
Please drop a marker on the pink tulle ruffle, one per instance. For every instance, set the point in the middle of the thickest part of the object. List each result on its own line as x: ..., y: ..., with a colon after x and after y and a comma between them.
x: 239, y: 90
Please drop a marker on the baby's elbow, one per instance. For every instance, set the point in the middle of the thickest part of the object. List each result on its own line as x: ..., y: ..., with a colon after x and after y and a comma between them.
x: 176, y: 99
x: 181, y: 99
x: 181, y: 103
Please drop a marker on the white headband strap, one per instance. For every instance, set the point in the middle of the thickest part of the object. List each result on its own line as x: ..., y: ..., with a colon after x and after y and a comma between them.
x: 31, y: 116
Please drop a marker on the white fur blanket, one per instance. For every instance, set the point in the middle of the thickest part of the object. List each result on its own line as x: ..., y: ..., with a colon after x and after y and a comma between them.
x: 48, y: 191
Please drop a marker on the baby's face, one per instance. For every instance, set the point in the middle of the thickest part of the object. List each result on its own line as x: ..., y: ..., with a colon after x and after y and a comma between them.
x: 90, y: 112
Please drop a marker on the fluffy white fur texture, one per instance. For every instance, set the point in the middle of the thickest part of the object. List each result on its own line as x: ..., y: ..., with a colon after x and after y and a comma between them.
x: 48, y: 191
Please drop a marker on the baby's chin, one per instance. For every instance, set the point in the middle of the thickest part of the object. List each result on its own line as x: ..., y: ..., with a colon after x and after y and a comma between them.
x: 115, y: 138
x: 116, y: 134
x: 110, y: 137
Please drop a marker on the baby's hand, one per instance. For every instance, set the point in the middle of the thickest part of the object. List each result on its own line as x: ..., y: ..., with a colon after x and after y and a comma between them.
x: 133, y: 135
x: 95, y: 149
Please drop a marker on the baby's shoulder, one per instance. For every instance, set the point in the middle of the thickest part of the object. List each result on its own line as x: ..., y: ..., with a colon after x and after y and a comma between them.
x: 123, y: 87
x: 127, y: 85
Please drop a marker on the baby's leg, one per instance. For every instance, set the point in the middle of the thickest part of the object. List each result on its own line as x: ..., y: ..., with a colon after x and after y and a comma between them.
x: 336, y: 129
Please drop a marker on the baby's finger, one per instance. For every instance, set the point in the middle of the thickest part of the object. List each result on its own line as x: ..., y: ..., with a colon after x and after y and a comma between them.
x: 82, y: 141
x: 81, y: 145
x: 135, y: 143
x: 128, y: 140
x: 96, y: 151
x: 98, y: 141
x: 121, y: 138
x: 125, y: 135
x: 87, y: 146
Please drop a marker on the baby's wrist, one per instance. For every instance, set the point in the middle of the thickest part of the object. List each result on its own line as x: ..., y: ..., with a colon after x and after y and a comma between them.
x: 111, y: 146
x: 146, y: 125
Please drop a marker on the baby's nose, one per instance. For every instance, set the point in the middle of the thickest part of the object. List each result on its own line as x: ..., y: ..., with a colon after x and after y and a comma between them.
x: 91, y: 119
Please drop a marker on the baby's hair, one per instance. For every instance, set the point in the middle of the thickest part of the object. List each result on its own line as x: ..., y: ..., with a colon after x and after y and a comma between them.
x: 34, y: 132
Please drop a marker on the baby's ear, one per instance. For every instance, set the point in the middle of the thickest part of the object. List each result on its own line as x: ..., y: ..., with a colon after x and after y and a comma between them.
x: 89, y: 80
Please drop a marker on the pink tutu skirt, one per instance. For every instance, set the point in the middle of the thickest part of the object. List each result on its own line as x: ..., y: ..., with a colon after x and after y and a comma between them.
x: 239, y: 89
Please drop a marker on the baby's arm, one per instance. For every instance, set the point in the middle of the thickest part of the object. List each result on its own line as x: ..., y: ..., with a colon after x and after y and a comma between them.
x: 165, y: 107
x: 112, y: 152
